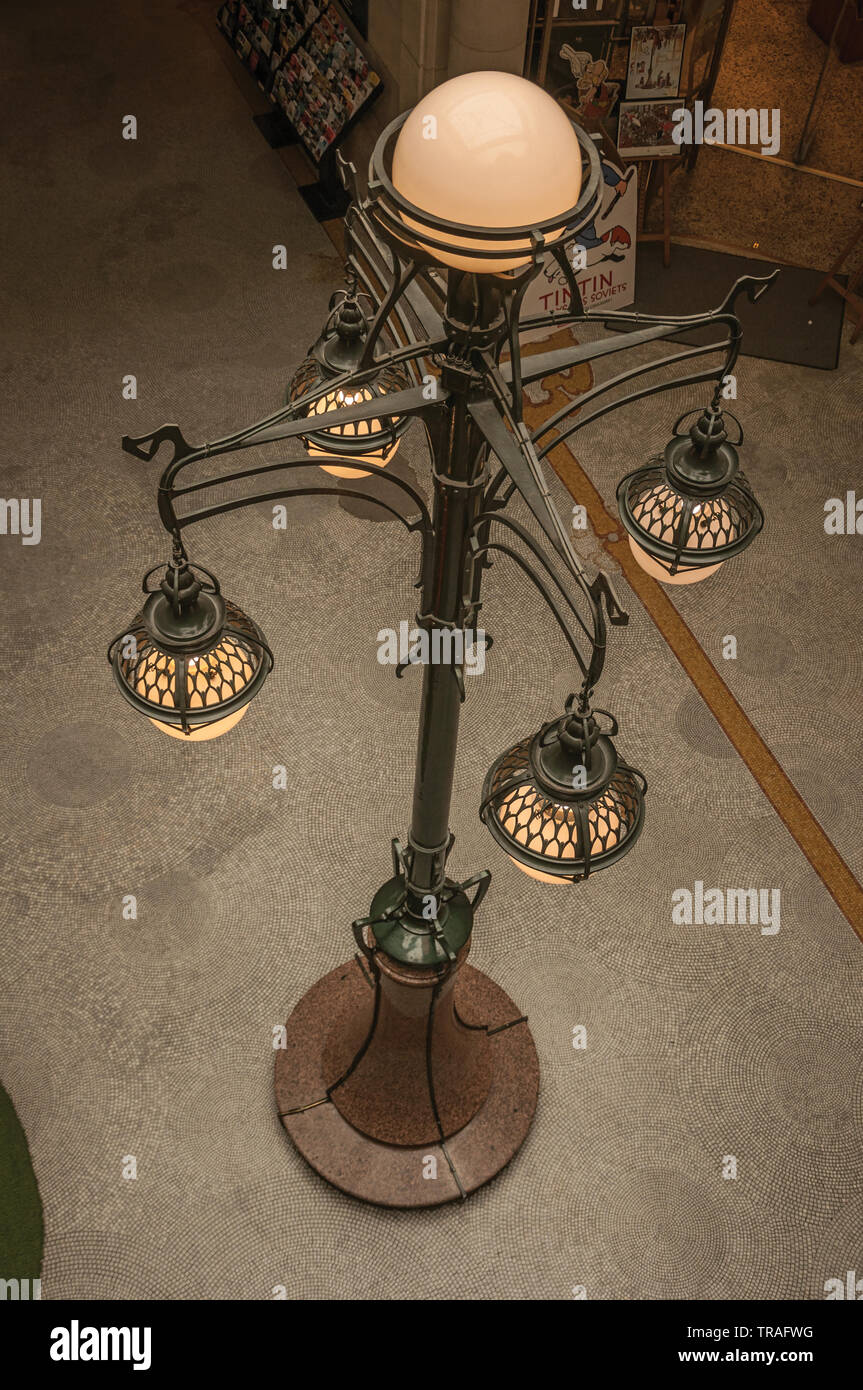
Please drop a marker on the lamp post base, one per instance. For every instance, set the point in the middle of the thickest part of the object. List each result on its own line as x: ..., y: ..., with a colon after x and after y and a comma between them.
x: 476, y: 1021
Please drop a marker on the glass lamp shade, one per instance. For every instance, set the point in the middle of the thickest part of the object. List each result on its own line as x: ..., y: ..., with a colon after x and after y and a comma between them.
x: 681, y: 539
x: 487, y: 149
x: 535, y: 873
x: 560, y: 837
x: 204, y: 731
x: 663, y: 573
x: 198, y: 693
x: 375, y: 440
x: 361, y: 430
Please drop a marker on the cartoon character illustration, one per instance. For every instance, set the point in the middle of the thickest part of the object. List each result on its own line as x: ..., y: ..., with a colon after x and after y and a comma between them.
x: 596, y: 96
x: 615, y: 236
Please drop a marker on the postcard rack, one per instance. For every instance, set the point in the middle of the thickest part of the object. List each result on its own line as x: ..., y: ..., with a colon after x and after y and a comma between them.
x: 317, y: 77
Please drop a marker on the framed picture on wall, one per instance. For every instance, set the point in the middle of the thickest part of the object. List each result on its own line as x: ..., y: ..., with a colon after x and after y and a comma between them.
x: 655, y: 60
x: 578, y: 68
x: 644, y: 129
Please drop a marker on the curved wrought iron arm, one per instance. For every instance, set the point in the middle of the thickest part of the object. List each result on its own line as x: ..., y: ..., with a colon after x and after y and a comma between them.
x: 599, y: 592
x: 380, y: 258
x: 509, y: 449
x: 366, y: 264
x: 319, y: 490
x: 494, y: 379
x: 480, y: 550
x: 754, y: 287
x: 578, y: 424
x: 412, y: 402
x: 367, y: 467
x: 595, y: 391
x: 398, y: 319
x: 514, y: 304
x: 519, y: 458
x: 174, y: 524
x: 556, y: 318
x: 662, y: 325
x: 548, y: 363
x: 402, y: 278
x: 283, y: 424
x: 525, y: 471
x: 486, y: 518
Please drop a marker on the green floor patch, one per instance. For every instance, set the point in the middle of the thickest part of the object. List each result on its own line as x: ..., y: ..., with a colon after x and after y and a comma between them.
x: 21, y: 1226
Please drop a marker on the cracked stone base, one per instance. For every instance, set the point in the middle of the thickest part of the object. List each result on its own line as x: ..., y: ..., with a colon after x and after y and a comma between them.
x: 392, y: 1175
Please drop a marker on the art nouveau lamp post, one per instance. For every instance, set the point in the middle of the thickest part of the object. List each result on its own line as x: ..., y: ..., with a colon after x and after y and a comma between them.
x: 409, y: 1078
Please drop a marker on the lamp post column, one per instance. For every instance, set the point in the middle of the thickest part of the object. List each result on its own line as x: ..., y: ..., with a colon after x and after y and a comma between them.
x: 434, y: 1064
x: 473, y: 311
x: 456, y: 448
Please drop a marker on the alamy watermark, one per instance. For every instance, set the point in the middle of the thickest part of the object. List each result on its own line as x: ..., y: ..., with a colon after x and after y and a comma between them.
x: 77, y: 1343
x: 442, y: 646
x: 843, y: 516
x: 16, y: 1290
x: 850, y: 1287
x: 727, y: 906
x: 732, y: 127
x: 21, y: 517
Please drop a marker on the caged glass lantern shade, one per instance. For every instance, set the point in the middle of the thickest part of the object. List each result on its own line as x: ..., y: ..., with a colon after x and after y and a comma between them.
x: 487, y: 150
x: 339, y: 349
x: 190, y: 660
x: 562, y: 803
x: 691, y: 510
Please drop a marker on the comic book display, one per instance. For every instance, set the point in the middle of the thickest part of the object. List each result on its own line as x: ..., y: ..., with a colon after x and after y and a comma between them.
x: 306, y: 61
x: 324, y: 83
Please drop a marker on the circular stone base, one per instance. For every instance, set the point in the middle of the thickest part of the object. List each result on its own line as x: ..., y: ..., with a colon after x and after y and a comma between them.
x: 387, y: 1174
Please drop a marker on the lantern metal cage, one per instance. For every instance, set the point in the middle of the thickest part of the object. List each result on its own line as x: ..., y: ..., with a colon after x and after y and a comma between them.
x: 691, y: 507
x: 562, y: 803
x: 376, y: 438
x: 190, y: 657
